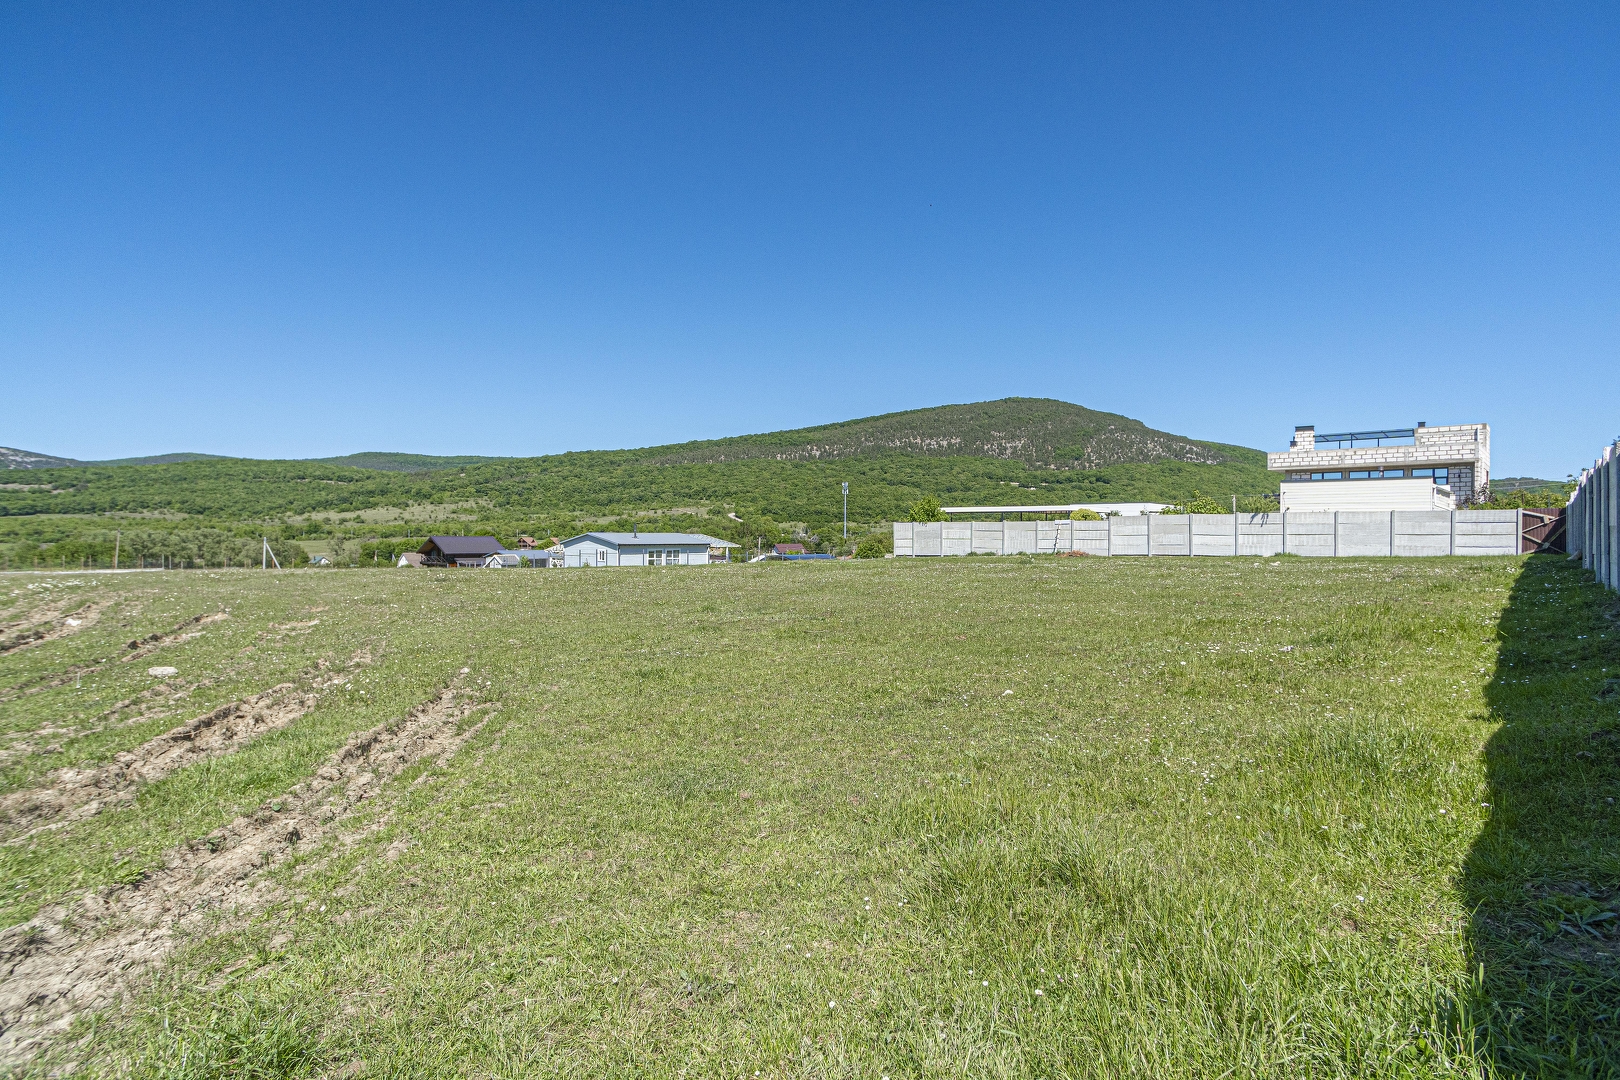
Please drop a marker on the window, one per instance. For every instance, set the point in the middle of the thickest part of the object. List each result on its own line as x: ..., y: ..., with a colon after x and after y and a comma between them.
x: 1369, y: 474
x: 1440, y: 476
x: 663, y: 557
x: 601, y: 556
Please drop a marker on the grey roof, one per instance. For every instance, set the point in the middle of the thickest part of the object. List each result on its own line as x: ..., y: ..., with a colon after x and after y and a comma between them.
x: 464, y: 547
x: 650, y: 539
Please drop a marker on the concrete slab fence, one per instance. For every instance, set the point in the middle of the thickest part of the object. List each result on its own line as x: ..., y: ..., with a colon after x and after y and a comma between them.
x: 1323, y: 533
x: 1592, y: 521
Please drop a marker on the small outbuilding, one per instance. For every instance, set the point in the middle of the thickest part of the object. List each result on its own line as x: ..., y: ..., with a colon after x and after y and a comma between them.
x: 522, y: 558
x: 466, y: 551
x: 644, y: 549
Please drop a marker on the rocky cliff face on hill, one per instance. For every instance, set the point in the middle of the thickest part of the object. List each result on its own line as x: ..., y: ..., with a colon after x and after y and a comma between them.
x: 1039, y: 432
x: 12, y: 458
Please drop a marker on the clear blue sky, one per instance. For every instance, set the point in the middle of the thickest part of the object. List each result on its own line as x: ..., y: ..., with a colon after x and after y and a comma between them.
x: 301, y: 230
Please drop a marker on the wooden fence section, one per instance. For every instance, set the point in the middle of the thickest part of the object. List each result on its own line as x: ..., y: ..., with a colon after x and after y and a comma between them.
x: 1592, y: 520
x: 1323, y: 533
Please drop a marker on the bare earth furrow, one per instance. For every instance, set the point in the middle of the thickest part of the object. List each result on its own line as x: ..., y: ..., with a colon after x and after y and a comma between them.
x: 81, y: 956
x: 76, y: 794
x: 149, y: 644
x: 52, y: 625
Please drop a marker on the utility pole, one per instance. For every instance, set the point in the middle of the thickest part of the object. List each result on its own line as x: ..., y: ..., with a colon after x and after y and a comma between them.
x: 846, y: 509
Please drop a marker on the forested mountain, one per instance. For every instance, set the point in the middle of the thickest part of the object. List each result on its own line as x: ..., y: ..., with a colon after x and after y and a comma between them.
x: 1039, y: 432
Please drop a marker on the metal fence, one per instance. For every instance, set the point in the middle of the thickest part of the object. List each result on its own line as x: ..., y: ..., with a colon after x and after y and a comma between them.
x: 1593, y: 517
x: 1323, y: 533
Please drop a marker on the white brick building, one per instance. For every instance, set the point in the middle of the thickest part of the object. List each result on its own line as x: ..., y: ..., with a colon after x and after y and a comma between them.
x: 1397, y: 469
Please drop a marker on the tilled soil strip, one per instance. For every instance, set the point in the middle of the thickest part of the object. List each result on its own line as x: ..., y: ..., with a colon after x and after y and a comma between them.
x: 80, y: 793
x: 140, y: 647
x: 79, y: 957
x: 77, y: 794
x: 53, y: 625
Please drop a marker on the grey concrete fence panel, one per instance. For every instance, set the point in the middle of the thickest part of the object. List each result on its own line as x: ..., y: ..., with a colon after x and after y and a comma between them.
x: 1592, y: 522
x: 1317, y: 533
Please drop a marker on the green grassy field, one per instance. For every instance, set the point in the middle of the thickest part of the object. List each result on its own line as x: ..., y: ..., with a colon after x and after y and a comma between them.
x: 972, y: 817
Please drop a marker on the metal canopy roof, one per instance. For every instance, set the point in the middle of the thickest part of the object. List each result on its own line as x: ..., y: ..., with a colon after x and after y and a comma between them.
x: 1368, y: 436
x: 1062, y: 508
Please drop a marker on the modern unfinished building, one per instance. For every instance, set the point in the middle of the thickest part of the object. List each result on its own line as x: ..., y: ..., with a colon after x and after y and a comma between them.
x: 1421, y: 468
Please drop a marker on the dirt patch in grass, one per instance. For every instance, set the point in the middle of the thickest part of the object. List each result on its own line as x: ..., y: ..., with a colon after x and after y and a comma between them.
x: 82, y: 956
x: 76, y: 794
x: 50, y: 624
x: 185, y: 631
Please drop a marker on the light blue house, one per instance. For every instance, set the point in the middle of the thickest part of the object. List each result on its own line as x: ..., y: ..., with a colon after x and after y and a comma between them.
x: 644, y: 549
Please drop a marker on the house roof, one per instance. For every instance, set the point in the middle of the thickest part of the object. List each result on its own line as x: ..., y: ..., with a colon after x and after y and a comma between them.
x: 649, y: 539
x: 464, y: 547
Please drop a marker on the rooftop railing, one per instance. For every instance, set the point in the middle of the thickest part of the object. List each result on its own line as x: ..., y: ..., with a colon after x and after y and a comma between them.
x: 1345, y: 439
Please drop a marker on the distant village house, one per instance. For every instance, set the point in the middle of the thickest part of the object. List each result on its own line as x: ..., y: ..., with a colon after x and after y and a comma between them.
x: 644, y: 549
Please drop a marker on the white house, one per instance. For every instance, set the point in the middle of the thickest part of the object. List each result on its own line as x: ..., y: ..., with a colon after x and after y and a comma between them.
x: 1421, y: 468
x: 643, y: 549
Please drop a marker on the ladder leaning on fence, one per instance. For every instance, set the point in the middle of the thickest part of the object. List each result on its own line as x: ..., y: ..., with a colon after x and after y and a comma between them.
x: 1593, y: 517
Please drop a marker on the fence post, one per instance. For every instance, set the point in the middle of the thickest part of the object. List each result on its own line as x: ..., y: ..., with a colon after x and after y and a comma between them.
x: 1234, y: 527
x: 1451, y: 545
x: 1335, y: 534
x: 1284, y: 550
x: 1612, y: 570
x: 1392, y: 534
x: 1149, y: 534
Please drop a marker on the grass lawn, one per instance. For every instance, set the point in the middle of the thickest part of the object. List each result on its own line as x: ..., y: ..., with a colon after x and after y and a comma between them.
x: 985, y: 817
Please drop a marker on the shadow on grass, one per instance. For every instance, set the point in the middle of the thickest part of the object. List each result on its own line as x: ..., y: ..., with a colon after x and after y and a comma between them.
x: 1543, y: 878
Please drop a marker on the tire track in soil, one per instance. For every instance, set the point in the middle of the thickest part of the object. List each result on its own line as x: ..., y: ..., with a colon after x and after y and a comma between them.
x: 138, y: 647
x: 79, y: 957
x: 172, y: 690
x: 151, y: 643
x: 77, y: 794
x: 52, y: 625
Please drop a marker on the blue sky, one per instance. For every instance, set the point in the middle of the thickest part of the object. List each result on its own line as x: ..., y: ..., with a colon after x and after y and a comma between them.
x: 301, y: 230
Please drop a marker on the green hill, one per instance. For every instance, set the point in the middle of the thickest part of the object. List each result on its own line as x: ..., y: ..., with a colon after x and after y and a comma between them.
x: 1019, y: 450
x: 388, y: 462
x: 1039, y: 432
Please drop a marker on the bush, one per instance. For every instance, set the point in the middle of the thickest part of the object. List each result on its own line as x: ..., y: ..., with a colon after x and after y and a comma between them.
x: 870, y: 547
x: 925, y: 509
x: 1084, y: 515
x: 1198, y: 504
x: 1537, y: 499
